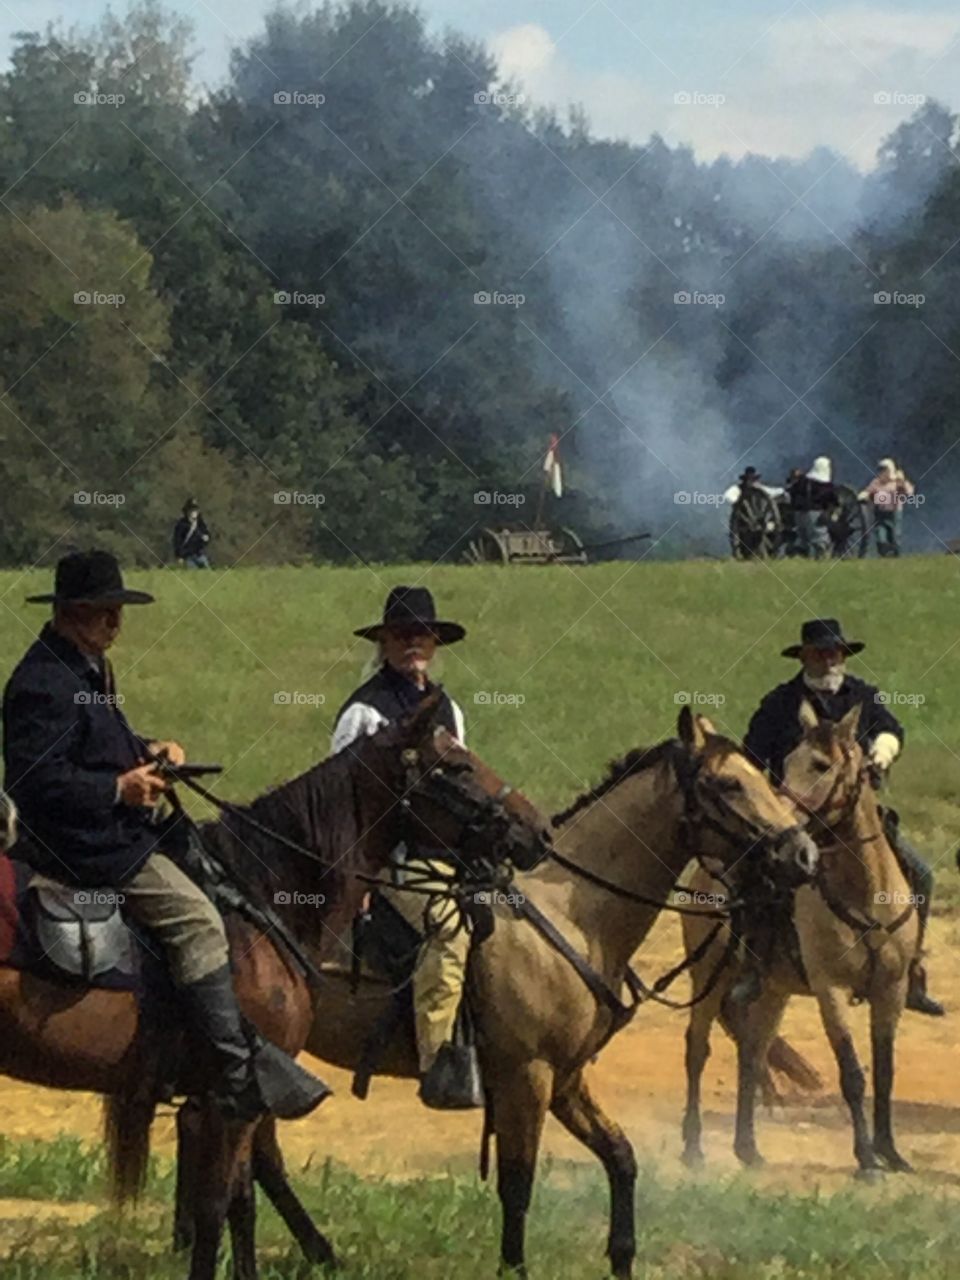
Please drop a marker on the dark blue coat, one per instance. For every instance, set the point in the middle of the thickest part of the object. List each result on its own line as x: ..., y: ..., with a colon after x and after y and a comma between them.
x: 65, y: 743
x: 775, y: 728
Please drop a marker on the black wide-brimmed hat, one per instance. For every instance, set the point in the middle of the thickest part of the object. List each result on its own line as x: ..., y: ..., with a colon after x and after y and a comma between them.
x: 822, y: 633
x: 750, y: 473
x: 90, y: 577
x: 413, y: 607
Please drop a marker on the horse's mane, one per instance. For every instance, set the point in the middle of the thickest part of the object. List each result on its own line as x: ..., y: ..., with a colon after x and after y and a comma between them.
x: 636, y: 761
x: 318, y: 810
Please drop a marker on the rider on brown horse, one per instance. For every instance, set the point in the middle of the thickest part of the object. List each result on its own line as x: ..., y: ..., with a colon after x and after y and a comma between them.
x: 775, y: 730
x: 407, y: 639
x: 86, y: 787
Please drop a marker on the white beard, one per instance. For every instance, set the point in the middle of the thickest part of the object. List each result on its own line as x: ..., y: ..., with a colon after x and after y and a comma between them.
x: 829, y: 683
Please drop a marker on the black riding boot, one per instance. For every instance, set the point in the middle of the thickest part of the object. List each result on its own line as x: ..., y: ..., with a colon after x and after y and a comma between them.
x: 254, y: 1076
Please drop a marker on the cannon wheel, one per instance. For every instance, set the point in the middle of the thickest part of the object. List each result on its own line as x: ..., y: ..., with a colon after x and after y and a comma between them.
x: 755, y: 526
x: 849, y: 525
x: 487, y: 548
x: 569, y: 546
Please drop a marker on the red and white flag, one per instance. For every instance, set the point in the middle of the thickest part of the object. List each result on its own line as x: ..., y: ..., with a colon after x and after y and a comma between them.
x: 551, y: 465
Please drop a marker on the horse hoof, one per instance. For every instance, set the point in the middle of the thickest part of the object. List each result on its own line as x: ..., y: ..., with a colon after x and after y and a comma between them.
x: 751, y: 1159
x: 894, y: 1162
x: 693, y: 1159
x: 872, y: 1175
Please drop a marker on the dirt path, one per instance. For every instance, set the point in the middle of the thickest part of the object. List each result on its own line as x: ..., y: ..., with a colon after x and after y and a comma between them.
x: 640, y: 1081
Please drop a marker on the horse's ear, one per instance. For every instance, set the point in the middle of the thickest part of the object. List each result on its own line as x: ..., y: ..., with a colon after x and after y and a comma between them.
x: 693, y: 730
x: 420, y: 724
x: 807, y: 716
x: 848, y: 726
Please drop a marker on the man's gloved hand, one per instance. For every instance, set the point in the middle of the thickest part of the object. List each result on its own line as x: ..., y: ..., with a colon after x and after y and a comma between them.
x: 884, y: 750
x: 140, y: 786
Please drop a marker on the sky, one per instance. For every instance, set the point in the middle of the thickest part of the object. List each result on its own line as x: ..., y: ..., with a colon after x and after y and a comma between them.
x: 722, y: 76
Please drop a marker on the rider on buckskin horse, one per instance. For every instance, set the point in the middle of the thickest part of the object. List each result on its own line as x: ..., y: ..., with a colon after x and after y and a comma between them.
x: 775, y: 730
x: 86, y: 785
x: 406, y: 640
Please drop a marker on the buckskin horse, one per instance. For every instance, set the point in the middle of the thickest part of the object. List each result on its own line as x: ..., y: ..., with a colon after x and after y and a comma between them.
x: 545, y: 988
x: 344, y: 817
x: 856, y: 932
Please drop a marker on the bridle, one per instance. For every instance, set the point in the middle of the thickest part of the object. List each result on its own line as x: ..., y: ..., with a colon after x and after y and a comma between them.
x: 485, y: 822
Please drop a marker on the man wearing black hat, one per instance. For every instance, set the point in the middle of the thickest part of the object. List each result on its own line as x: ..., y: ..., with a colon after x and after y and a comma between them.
x: 824, y: 682
x: 407, y: 639
x: 86, y: 785
x: 191, y: 537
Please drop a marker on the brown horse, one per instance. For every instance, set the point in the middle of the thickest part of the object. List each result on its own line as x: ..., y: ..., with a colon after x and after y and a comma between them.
x: 345, y: 816
x: 857, y: 931
x: 540, y: 1021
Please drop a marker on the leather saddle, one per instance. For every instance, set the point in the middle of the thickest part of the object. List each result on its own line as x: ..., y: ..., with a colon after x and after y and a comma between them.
x: 81, y: 932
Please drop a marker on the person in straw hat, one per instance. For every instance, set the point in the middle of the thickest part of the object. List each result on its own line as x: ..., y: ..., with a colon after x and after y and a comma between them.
x: 888, y: 492
x: 407, y: 638
x: 812, y: 497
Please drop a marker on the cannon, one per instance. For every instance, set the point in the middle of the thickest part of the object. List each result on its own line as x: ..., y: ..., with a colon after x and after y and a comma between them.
x: 763, y: 527
x: 518, y: 544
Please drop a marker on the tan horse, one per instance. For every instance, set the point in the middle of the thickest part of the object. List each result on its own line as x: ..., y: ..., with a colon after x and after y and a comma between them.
x: 539, y: 1023
x: 857, y: 930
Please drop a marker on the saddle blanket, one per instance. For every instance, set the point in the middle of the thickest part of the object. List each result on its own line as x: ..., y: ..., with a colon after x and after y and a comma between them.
x: 66, y: 933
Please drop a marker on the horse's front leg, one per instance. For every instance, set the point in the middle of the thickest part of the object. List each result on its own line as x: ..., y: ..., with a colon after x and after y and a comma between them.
x: 852, y: 1084
x: 702, y: 1017
x: 188, y: 1154
x: 884, y: 1016
x: 521, y: 1097
x: 269, y: 1171
x: 242, y: 1216
x: 577, y: 1111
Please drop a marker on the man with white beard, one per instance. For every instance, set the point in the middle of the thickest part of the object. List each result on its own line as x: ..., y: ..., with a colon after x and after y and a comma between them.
x: 775, y: 730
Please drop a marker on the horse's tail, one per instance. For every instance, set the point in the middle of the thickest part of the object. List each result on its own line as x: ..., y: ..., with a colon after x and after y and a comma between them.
x: 127, y: 1119
x: 784, y: 1058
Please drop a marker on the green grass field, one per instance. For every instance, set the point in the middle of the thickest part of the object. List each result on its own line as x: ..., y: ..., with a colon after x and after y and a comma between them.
x: 570, y: 668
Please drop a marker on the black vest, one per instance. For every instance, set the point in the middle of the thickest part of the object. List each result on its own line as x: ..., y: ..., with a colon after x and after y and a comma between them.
x: 395, y: 696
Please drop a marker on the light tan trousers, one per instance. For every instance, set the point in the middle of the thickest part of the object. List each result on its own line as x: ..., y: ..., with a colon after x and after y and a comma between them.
x: 441, y: 963
x: 180, y: 916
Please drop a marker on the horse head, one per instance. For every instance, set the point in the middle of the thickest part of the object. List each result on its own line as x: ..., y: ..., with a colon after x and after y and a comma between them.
x: 734, y: 810
x: 456, y: 802
x: 825, y: 773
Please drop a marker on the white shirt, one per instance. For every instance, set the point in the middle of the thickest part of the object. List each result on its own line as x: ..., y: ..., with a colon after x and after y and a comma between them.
x: 360, y: 719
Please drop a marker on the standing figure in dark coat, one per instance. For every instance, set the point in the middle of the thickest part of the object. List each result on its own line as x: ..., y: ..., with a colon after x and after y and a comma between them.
x: 191, y: 537
x: 85, y: 785
x: 824, y: 682
x: 813, y: 497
